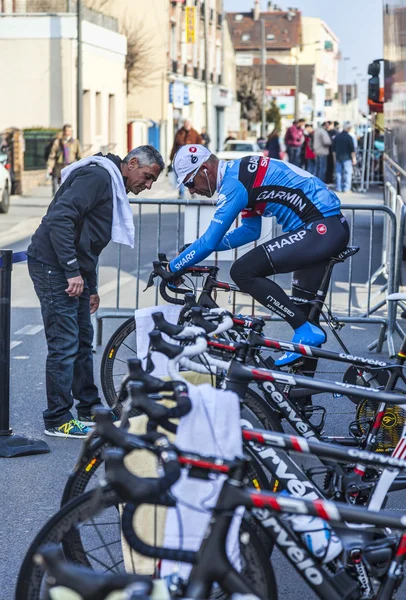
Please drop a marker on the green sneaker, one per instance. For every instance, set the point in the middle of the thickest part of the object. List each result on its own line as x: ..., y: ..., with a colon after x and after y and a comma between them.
x: 89, y: 419
x: 71, y: 429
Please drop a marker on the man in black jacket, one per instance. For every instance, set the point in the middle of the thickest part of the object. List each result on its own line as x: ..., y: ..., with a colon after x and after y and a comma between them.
x: 345, y: 158
x: 62, y: 261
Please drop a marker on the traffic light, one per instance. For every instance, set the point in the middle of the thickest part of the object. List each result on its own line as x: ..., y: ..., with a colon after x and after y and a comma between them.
x: 373, y: 83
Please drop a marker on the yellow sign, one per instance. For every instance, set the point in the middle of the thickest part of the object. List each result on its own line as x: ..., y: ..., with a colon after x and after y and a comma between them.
x: 190, y: 24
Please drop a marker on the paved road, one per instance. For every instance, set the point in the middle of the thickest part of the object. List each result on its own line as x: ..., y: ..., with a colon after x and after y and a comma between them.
x: 31, y: 487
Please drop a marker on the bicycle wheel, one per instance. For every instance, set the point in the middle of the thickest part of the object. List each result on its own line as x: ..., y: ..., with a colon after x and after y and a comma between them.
x: 121, y: 346
x: 266, y: 416
x: 88, y: 472
x: 256, y: 566
x: 97, y: 518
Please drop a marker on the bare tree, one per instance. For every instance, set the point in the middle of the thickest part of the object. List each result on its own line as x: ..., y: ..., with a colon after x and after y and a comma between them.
x: 249, y: 93
x: 140, y: 57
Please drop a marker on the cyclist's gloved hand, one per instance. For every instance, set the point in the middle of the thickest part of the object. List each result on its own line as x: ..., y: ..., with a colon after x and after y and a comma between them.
x: 176, y: 280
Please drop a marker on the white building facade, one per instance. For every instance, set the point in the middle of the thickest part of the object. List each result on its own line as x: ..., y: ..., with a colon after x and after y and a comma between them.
x: 39, y: 75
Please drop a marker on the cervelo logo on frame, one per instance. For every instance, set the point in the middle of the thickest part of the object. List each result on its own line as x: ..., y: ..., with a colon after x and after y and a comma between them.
x: 321, y: 229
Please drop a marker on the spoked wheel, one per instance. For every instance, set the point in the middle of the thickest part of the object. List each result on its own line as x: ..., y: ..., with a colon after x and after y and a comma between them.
x: 121, y: 346
x: 93, y: 519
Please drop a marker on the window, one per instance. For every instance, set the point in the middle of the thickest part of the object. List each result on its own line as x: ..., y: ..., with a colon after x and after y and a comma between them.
x: 246, y: 37
x: 86, y: 142
x: 239, y: 147
x: 270, y: 36
x: 173, y: 42
x: 98, y: 113
x: 238, y: 18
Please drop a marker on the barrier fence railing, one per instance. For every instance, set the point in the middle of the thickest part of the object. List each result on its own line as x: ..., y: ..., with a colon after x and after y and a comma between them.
x: 357, y: 294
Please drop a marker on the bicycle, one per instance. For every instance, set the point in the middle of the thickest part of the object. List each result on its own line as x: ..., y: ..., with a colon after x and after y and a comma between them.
x: 370, y: 567
x: 68, y: 526
x: 122, y: 343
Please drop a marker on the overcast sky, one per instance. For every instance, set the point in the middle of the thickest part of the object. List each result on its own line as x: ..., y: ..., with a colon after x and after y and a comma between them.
x: 357, y: 24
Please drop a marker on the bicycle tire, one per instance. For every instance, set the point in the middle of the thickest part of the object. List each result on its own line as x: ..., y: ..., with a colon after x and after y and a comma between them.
x: 76, y: 512
x: 266, y: 415
x: 110, y: 357
x: 78, y: 480
x: 256, y: 566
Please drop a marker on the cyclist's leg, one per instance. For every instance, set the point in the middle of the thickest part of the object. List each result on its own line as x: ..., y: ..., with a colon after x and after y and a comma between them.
x: 290, y: 252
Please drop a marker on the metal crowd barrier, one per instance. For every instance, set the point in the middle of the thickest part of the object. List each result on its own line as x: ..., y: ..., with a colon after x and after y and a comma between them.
x: 159, y: 228
x: 395, y: 203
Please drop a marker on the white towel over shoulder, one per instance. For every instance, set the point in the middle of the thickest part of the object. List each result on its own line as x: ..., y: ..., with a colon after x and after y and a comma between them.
x: 122, y: 230
x: 211, y: 428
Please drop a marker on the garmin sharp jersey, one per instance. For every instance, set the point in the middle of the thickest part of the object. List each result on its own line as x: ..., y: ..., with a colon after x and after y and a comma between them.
x: 256, y: 186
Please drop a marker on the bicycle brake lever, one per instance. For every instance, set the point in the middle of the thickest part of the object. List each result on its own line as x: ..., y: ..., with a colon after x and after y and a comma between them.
x: 150, y: 283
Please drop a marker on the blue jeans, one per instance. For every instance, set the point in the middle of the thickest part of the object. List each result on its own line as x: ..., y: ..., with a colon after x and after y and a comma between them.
x: 343, y: 175
x: 321, y: 167
x: 294, y: 155
x: 69, y: 335
x: 311, y: 165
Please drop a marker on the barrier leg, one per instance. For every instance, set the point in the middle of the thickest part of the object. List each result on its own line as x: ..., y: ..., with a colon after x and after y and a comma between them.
x: 11, y: 444
x: 378, y: 344
x: 99, y: 331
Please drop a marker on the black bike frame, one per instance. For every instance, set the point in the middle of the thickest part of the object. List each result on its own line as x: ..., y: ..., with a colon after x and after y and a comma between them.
x: 303, y: 499
x: 212, y: 564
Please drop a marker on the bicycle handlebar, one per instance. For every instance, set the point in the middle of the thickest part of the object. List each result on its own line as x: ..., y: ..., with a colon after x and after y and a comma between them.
x: 86, y: 582
x: 141, y: 547
x: 138, y: 489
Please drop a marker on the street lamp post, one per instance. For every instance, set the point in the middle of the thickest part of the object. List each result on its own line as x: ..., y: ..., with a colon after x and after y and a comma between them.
x: 79, y: 86
x: 345, y: 58
x: 297, y: 84
x: 263, y: 70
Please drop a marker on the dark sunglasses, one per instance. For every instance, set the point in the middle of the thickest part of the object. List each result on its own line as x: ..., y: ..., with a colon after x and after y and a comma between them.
x: 189, y: 183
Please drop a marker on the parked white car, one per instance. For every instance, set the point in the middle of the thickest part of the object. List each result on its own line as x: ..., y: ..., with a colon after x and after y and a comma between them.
x: 5, y: 189
x: 234, y: 149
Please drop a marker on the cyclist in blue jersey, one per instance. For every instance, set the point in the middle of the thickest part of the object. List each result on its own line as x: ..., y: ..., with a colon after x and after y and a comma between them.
x: 313, y: 228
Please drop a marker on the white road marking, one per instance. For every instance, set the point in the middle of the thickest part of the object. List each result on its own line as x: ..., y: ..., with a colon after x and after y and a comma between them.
x: 30, y: 330
x: 14, y: 343
x: 21, y: 357
x: 112, y: 285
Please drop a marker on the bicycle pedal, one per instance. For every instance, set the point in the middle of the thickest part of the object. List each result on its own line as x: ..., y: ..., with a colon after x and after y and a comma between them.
x: 309, y: 412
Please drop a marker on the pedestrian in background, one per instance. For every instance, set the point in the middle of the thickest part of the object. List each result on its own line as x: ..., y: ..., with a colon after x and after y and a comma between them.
x: 185, y: 135
x: 273, y: 146
x: 229, y: 137
x: 332, y: 131
x: 64, y: 151
x: 294, y: 138
x: 321, y: 148
x: 344, y: 154
x: 89, y: 209
x: 205, y: 137
x: 309, y: 155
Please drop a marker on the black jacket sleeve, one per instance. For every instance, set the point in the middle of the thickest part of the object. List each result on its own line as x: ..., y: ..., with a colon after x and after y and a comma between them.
x: 64, y: 219
x: 91, y: 279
